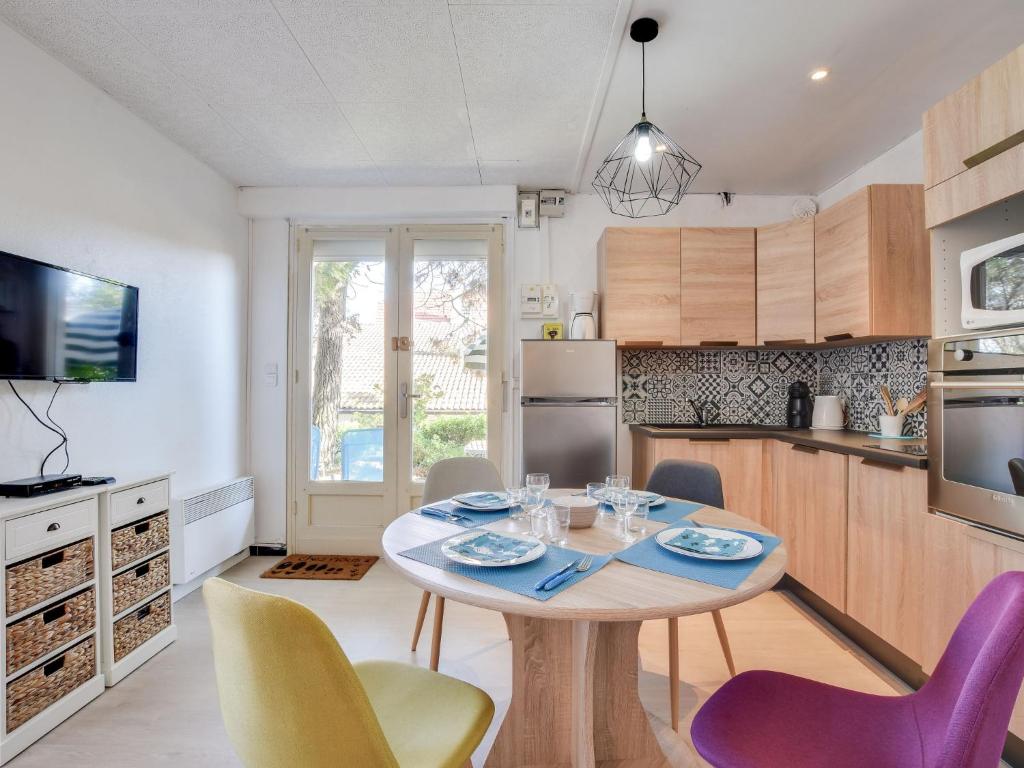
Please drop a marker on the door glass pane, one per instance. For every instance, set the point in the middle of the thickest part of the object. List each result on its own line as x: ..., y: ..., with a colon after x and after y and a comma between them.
x: 347, y: 365
x: 449, y: 358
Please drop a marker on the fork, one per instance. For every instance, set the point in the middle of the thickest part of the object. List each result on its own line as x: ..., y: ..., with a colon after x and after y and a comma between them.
x: 584, y: 566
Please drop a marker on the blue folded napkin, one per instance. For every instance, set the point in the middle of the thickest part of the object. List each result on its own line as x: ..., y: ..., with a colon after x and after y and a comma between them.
x: 669, y: 512
x: 474, y: 517
x: 521, y: 579
x: 729, y: 574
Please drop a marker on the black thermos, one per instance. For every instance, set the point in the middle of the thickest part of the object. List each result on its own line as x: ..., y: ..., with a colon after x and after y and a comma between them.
x: 798, y: 414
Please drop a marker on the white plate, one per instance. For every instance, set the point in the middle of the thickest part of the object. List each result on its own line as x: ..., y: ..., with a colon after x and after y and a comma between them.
x: 652, y: 499
x: 751, y: 547
x: 466, y: 500
x: 462, y: 549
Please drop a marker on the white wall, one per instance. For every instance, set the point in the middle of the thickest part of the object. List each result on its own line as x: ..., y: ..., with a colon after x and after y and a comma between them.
x: 901, y: 164
x: 88, y: 185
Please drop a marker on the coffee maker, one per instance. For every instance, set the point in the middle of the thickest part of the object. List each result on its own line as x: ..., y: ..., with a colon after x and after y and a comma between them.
x: 798, y: 415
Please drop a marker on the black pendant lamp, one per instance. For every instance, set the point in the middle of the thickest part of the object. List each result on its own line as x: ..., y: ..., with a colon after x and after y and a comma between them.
x: 647, y: 173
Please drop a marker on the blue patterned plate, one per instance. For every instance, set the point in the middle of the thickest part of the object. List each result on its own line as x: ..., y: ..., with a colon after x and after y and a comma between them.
x: 483, y: 501
x: 493, y: 550
x: 710, y: 543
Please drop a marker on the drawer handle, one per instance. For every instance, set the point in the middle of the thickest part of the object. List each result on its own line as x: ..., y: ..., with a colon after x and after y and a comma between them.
x: 839, y: 337
x: 881, y: 464
x: 51, y: 560
x: 143, y: 612
x: 804, y: 448
x: 54, y: 666
x: 140, y: 500
x: 57, y: 612
x: 142, y: 570
x: 53, y: 527
x: 718, y: 343
x: 141, y: 528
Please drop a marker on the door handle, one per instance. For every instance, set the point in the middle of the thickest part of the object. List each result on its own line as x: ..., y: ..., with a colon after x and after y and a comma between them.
x: 406, y: 396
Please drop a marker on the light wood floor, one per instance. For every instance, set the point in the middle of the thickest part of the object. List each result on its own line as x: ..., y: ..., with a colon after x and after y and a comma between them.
x: 166, y: 713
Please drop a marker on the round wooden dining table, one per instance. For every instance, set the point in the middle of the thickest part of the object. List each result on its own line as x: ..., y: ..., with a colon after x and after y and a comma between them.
x: 575, y: 660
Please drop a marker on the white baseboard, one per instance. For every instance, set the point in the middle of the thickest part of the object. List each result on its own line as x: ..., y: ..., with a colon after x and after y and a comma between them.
x: 179, y: 591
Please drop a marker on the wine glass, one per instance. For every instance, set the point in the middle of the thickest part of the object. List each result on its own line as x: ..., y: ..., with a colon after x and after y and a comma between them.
x: 615, y: 485
x: 625, y: 505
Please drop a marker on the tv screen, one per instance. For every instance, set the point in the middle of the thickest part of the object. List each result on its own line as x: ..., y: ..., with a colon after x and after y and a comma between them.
x: 63, y: 325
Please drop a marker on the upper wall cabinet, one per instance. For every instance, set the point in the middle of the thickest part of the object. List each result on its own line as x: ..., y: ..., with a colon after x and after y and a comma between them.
x: 638, y: 277
x: 872, y: 266
x: 974, y: 142
x: 785, y: 282
x: 717, y: 290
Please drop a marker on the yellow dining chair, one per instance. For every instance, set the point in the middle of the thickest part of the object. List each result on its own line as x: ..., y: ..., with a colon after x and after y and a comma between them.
x: 290, y: 696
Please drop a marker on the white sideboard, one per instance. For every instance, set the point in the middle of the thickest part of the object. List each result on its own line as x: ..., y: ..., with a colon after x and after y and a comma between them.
x: 86, y: 585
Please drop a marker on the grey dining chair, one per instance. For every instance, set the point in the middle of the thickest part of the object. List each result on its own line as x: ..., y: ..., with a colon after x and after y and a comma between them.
x: 445, y: 479
x: 700, y: 482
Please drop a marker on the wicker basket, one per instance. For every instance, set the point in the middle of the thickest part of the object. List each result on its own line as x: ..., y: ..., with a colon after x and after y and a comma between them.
x: 37, y: 635
x: 138, y: 583
x: 138, y: 626
x: 31, y: 582
x: 34, y: 691
x: 136, y: 540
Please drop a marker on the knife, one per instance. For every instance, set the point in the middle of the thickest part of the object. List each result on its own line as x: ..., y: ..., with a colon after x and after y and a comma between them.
x: 442, y: 514
x: 542, y: 584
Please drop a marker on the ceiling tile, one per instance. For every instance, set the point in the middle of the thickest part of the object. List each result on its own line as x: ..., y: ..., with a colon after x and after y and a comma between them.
x: 233, y: 58
x: 529, y: 174
x: 410, y: 175
x: 528, y: 130
x: 413, y: 133
x: 303, y: 134
x: 370, y: 53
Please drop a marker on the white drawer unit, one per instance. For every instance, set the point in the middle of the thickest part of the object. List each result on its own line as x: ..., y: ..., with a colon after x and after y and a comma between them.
x: 50, y: 528
x: 139, y: 501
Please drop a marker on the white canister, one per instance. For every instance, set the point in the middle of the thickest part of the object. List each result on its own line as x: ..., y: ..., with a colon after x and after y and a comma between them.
x: 891, y: 426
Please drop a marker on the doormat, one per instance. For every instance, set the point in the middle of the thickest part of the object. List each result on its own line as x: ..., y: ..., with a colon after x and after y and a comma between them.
x: 326, y: 567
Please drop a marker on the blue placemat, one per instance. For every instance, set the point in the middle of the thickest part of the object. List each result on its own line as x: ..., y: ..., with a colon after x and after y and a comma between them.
x: 476, y: 517
x: 669, y: 512
x: 515, y: 578
x: 720, y: 573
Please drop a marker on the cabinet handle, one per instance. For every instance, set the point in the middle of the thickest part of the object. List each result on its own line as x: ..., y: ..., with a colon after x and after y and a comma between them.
x: 711, y: 439
x: 141, y: 528
x: 782, y: 342
x: 839, y: 337
x: 55, y: 613
x: 53, y: 527
x: 53, y: 666
x: 881, y: 464
x: 142, y: 570
x: 140, y: 500
x: 996, y: 149
x: 713, y: 343
x: 143, y: 612
x: 804, y: 448
x: 51, y: 560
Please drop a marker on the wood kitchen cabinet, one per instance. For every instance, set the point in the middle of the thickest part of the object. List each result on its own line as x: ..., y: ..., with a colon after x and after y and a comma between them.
x: 974, y: 142
x: 809, y: 513
x: 718, y: 292
x: 785, y: 282
x: 638, y: 277
x: 885, y: 586
x: 872, y: 265
x: 738, y: 461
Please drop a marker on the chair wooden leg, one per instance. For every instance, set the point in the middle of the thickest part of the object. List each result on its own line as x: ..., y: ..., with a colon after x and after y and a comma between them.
x: 435, y: 641
x: 420, y: 617
x: 724, y: 640
x: 673, y: 671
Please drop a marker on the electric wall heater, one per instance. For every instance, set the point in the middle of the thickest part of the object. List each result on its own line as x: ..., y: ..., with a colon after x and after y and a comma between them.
x: 209, y: 527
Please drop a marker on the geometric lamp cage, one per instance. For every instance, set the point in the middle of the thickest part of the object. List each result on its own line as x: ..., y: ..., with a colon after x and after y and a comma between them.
x: 636, y: 187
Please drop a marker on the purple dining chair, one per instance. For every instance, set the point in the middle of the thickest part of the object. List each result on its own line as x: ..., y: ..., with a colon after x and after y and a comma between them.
x: 958, y: 719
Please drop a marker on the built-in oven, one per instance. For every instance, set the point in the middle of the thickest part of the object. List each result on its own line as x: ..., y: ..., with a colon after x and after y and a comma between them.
x: 976, y: 428
x: 992, y: 284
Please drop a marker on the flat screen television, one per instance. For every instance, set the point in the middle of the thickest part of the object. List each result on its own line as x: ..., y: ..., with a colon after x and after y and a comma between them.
x: 64, y: 325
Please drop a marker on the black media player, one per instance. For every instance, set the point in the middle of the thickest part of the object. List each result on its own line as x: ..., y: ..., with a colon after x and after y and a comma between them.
x: 38, y: 485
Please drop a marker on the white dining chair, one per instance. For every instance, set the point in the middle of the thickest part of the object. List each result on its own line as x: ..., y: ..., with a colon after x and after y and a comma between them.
x: 445, y: 479
x: 700, y: 482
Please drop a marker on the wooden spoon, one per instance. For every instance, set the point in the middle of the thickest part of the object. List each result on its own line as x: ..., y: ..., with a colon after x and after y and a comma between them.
x: 901, y: 405
x: 887, y: 399
x: 919, y: 402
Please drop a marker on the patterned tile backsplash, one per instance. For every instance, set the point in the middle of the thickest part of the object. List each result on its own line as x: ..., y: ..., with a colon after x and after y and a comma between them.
x: 749, y: 386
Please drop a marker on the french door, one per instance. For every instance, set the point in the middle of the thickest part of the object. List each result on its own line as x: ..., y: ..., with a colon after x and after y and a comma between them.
x: 397, y: 355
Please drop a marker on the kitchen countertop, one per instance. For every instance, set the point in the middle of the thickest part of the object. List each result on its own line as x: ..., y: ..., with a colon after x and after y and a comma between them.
x: 838, y: 441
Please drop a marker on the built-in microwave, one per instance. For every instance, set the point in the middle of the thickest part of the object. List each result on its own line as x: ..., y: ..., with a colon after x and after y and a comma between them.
x: 992, y: 284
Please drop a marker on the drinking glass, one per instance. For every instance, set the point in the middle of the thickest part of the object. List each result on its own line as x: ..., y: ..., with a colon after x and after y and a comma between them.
x: 536, y: 484
x: 615, y: 486
x: 516, y: 500
x: 558, y: 524
x: 625, y: 505
x: 595, y: 492
x: 637, y: 520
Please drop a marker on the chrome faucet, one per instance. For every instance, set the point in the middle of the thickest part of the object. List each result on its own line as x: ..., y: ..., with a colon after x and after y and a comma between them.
x: 700, y: 412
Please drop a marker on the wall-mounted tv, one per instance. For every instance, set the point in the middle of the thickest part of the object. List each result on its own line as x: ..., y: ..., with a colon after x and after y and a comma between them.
x: 63, y: 325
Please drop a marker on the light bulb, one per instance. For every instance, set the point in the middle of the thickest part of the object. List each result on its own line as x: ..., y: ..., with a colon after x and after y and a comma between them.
x: 642, y: 152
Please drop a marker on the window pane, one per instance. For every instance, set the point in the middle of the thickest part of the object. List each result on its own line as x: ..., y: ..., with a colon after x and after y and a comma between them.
x: 347, y: 397
x: 449, y: 351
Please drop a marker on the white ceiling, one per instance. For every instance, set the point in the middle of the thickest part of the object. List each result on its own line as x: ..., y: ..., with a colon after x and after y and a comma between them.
x: 534, y: 93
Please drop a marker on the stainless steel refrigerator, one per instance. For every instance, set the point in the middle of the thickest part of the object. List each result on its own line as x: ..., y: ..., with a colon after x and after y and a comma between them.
x: 569, y: 393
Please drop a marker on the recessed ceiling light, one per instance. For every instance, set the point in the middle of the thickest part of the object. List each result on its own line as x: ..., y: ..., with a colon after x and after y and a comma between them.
x: 819, y: 74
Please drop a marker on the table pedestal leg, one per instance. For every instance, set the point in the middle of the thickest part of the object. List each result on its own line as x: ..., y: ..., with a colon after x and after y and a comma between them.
x: 574, y: 698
